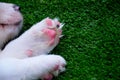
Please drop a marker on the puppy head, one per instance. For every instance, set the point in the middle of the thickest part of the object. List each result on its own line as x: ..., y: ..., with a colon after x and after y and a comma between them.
x: 9, y: 14
x: 11, y: 22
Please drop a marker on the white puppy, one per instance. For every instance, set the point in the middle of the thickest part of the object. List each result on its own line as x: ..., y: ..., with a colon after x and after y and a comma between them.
x: 43, y: 67
x: 41, y: 38
x: 10, y: 22
x: 17, y: 61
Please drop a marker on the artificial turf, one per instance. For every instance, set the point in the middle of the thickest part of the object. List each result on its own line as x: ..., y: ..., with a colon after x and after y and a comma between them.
x: 91, y: 42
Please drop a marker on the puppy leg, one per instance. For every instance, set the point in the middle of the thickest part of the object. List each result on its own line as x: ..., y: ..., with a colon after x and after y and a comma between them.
x: 41, y: 38
x: 42, y: 67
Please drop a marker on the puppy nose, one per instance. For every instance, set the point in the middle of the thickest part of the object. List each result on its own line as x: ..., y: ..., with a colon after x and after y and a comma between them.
x: 17, y: 8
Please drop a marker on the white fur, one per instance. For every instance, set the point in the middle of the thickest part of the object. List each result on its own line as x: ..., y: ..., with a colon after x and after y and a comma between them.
x: 8, y: 18
x: 33, y: 39
x: 12, y: 64
x: 30, y: 68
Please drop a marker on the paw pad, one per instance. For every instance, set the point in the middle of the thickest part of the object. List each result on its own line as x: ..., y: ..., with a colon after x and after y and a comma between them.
x: 49, y: 22
x: 50, y: 33
x: 56, y: 68
x: 29, y: 53
x: 47, y: 77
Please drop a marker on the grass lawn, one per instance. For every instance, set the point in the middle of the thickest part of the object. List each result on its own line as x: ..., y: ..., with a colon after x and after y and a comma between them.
x: 91, y: 42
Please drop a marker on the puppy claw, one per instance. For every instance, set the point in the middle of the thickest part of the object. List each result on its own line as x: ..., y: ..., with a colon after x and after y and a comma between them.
x: 61, y: 26
x: 61, y: 36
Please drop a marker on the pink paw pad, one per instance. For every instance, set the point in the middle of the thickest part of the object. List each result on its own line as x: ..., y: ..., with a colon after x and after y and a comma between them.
x: 56, y: 67
x: 49, y: 22
x: 29, y: 53
x: 48, y: 77
x: 50, y: 33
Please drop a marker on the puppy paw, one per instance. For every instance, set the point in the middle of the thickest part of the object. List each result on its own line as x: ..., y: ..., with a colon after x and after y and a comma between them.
x: 59, y: 66
x: 56, y: 68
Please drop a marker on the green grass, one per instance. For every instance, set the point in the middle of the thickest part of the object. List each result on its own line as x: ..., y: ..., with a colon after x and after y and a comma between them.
x: 91, y: 44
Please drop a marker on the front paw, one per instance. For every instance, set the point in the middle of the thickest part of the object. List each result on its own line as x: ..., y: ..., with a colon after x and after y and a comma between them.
x: 56, y: 68
x: 50, y: 29
x: 54, y: 72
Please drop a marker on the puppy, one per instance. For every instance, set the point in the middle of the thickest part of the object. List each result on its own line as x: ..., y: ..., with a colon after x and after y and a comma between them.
x: 41, y: 38
x: 43, y: 67
x: 11, y: 22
